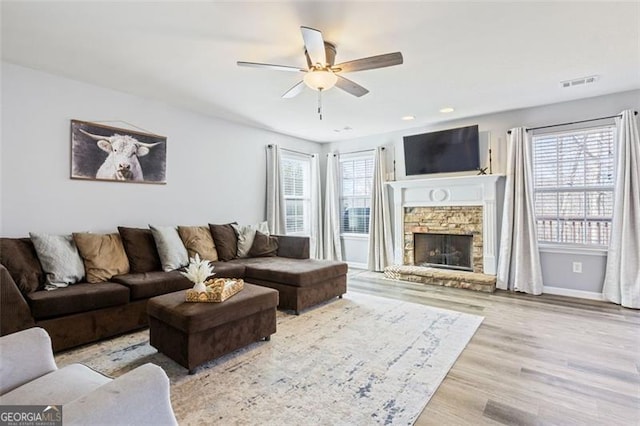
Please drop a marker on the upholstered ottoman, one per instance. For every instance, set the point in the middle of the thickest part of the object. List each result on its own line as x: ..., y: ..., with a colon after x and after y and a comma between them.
x: 194, y: 333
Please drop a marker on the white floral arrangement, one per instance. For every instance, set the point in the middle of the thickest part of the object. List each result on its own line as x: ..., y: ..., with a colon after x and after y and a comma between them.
x: 198, y: 270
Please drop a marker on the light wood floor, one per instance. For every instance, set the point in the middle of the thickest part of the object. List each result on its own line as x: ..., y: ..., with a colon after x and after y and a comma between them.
x: 535, y: 360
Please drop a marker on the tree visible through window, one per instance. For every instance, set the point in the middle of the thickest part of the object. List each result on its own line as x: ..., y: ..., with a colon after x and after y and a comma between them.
x: 356, y: 179
x: 296, y: 177
x: 573, y: 185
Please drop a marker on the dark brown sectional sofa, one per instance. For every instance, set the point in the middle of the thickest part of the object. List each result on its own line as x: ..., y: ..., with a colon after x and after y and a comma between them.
x: 87, y: 312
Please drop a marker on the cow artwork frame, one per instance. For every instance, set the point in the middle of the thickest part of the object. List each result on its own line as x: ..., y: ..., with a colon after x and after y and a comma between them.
x: 106, y: 153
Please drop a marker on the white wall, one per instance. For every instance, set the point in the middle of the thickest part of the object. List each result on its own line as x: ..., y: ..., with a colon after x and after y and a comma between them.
x: 215, y: 168
x: 557, y: 267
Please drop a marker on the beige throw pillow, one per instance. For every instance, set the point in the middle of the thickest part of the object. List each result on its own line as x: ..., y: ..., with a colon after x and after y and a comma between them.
x: 103, y: 255
x: 246, y: 235
x: 171, y: 250
x: 198, y: 240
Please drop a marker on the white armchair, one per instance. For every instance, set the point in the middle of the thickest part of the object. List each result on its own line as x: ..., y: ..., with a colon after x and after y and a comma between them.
x: 29, y: 376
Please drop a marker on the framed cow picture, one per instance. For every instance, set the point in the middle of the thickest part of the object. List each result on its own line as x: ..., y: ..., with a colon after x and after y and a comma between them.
x: 107, y: 153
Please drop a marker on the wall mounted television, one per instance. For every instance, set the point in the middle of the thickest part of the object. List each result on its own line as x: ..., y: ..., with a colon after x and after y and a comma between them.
x: 452, y: 150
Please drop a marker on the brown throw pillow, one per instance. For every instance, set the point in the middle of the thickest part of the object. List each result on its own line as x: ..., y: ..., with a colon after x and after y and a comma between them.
x: 103, y: 255
x: 141, y: 249
x: 264, y: 246
x: 21, y: 260
x: 197, y: 239
x: 226, y: 241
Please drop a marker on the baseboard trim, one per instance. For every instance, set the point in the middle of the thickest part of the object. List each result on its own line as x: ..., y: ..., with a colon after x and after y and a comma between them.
x: 356, y: 265
x: 559, y: 291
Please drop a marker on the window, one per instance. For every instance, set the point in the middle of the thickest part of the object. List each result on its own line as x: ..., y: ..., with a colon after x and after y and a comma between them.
x: 573, y: 186
x: 356, y: 179
x: 296, y: 177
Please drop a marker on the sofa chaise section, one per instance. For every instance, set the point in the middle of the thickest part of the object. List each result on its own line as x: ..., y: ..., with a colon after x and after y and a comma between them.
x: 301, y: 284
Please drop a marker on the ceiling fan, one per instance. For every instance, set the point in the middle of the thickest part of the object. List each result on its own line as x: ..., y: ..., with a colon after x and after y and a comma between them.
x: 321, y: 73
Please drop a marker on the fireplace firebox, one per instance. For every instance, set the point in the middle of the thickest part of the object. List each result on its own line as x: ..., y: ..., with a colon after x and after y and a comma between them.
x: 450, y: 251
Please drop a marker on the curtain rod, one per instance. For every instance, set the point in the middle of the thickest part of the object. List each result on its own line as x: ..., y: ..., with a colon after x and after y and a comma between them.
x: 291, y: 150
x: 358, y: 152
x: 575, y: 122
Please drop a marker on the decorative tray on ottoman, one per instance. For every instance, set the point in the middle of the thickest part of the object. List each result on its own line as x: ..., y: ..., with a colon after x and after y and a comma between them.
x: 218, y: 290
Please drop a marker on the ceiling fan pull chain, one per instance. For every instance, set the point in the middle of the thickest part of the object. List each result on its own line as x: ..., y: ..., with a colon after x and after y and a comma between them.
x: 320, y: 103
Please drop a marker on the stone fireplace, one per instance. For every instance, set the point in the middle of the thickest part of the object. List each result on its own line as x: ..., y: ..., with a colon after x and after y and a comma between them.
x: 458, y: 206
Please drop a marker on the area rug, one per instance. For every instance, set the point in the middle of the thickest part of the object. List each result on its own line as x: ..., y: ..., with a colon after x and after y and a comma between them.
x: 353, y: 361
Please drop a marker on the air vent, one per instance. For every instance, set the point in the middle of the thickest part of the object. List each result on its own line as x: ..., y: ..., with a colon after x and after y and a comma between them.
x: 579, y: 81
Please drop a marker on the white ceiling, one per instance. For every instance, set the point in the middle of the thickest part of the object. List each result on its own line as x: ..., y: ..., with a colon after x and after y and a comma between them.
x: 477, y: 57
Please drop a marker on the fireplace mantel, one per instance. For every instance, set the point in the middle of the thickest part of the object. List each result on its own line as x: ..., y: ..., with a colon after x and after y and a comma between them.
x: 484, y: 190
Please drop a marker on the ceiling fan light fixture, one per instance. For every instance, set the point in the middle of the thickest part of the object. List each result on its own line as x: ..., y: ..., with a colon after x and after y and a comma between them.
x: 320, y: 79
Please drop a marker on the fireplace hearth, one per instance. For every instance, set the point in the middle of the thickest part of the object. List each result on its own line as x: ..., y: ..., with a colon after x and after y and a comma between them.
x: 449, y: 251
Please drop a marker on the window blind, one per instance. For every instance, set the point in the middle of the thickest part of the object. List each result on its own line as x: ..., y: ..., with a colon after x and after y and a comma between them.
x: 573, y: 185
x: 356, y: 178
x: 296, y: 175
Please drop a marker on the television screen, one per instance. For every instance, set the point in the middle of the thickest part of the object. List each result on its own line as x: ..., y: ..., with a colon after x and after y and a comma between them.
x: 452, y: 150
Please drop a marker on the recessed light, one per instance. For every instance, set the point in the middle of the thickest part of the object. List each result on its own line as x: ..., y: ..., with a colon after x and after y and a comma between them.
x: 408, y: 117
x: 446, y: 110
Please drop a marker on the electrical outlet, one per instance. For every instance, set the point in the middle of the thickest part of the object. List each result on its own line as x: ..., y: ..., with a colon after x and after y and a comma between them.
x: 577, y: 267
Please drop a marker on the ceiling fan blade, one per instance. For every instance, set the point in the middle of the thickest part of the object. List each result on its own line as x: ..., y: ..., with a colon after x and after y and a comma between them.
x: 294, y: 91
x: 314, y: 44
x: 379, y: 61
x: 271, y: 66
x: 350, y: 87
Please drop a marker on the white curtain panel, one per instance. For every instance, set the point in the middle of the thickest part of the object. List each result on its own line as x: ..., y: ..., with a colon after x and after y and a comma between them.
x: 315, y: 240
x: 332, y: 245
x: 275, y: 192
x: 519, y: 259
x: 380, y: 241
x: 622, y: 277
